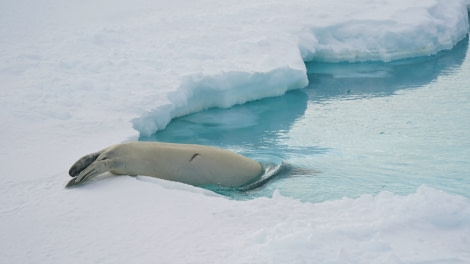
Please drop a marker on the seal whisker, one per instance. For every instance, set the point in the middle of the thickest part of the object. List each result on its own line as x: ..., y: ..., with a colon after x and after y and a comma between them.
x: 86, y: 176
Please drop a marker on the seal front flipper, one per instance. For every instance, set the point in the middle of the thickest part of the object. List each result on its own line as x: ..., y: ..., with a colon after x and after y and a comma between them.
x: 96, y: 168
x: 83, y: 163
x: 72, y: 183
x: 80, y: 166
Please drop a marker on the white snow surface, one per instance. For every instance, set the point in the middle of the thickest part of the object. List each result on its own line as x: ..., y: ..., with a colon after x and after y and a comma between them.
x: 77, y: 76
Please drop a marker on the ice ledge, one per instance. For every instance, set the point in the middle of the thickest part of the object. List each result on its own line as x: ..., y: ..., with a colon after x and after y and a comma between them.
x: 401, y: 31
x: 406, y: 32
x: 199, y: 92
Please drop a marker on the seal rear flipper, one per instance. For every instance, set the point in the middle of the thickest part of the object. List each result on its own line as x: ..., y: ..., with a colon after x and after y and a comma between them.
x: 83, y: 163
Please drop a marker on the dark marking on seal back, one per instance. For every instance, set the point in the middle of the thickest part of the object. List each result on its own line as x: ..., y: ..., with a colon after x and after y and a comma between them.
x: 194, y: 156
x: 83, y: 163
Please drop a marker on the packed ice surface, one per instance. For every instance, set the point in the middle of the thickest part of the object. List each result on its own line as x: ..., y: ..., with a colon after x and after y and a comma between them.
x: 152, y: 61
x: 77, y: 76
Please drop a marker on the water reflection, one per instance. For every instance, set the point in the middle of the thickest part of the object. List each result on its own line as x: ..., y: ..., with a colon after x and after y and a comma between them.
x: 329, y: 81
x: 252, y: 127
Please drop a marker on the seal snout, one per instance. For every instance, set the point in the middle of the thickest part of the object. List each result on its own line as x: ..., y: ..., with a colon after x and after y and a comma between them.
x: 83, y: 163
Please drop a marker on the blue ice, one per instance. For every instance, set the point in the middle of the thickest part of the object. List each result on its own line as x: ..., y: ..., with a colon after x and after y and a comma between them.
x: 358, y: 128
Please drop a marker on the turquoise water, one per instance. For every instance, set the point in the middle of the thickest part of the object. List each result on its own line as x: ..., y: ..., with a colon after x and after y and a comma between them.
x: 356, y: 129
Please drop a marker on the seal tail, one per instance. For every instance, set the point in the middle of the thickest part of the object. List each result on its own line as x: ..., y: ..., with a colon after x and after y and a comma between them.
x: 271, y: 171
x: 83, y: 163
x: 274, y: 171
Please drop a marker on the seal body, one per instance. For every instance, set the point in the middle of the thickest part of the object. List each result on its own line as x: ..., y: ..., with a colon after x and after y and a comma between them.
x: 192, y: 164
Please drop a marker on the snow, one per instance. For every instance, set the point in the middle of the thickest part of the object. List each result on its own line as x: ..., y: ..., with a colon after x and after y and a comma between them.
x: 124, y: 219
x: 82, y: 75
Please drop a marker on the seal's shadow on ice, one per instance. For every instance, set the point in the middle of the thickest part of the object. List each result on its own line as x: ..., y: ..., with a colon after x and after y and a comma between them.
x: 187, y: 163
x: 198, y: 165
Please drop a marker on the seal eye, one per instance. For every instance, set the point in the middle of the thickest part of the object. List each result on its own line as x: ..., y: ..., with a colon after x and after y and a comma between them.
x: 194, y: 156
